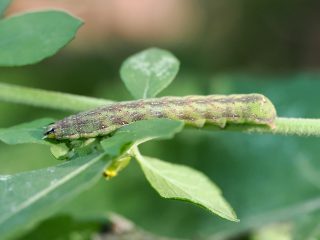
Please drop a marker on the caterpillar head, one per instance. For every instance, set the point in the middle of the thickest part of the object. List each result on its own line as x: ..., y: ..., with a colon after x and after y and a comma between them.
x: 50, y: 132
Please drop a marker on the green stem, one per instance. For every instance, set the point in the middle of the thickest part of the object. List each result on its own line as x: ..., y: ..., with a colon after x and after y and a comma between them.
x: 71, y: 102
x: 283, y: 126
x: 48, y: 99
x: 297, y: 126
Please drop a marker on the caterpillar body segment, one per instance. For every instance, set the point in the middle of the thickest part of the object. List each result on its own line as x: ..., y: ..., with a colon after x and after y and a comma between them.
x: 196, y: 111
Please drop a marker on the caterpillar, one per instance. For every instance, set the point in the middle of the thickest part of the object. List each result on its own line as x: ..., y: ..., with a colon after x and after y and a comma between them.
x: 196, y: 111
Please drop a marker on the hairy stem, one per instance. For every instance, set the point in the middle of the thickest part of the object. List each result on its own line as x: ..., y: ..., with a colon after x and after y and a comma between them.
x: 71, y: 102
x: 284, y: 126
x: 48, y: 99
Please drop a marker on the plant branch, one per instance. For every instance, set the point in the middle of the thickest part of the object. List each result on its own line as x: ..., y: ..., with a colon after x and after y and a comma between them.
x: 297, y: 126
x: 283, y: 126
x: 48, y: 99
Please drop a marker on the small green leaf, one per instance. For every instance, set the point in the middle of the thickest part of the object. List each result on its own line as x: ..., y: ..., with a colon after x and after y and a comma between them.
x: 31, y: 132
x: 147, y: 73
x: 3, y: 6
x: 32, y: 37
x: 183, y: 183
x: 60, y: 151
x: 139, y: 132
x: 28, y: 197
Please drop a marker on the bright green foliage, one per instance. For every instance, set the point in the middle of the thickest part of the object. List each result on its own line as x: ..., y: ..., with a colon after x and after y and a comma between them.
x: 26, y: 194
x: 171, y: 181
x: 32, y: 37
x: 60, y: 151
x: 183, y: 183
x: 31, y: 132
x: 147, y: 73
x: 139, y: 132
x: 31, y: 196
x: 3, y: 5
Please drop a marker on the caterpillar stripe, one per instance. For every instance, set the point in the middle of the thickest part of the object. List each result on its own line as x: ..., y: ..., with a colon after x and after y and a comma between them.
x: 217, y: 110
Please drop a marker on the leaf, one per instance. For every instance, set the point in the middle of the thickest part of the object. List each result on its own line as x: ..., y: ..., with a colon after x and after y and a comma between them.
x: 31, y: 132
x: 32, y: 37
x: 179, y: 182
x: 140, y: 132
x: 147, y: 73
x: 206, y: 194
x: 31, y: 196
x: 60, y: 151
x: 256, y: 180
x: 3, y: 6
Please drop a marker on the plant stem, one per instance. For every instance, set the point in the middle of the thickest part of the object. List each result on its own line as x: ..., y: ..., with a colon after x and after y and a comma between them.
x: 48, y: 99
x: 283, y: 126
x: 297, y: 126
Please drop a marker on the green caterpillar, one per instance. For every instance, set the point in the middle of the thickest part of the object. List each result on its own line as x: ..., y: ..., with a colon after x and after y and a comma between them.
x: 217, y: 110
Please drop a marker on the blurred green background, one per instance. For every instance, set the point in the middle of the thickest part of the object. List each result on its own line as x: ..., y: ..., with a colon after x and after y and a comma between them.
x: 269, y: 47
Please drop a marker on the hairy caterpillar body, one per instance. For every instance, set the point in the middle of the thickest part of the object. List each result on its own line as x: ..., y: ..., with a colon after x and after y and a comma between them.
x: 217, y: 110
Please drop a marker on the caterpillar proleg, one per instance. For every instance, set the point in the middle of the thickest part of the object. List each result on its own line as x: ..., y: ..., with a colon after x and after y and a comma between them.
x: 217, y: 110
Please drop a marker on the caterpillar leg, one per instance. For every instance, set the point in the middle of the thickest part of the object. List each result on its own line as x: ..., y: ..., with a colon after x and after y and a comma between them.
x: 221, y: 122
x: 199, y: 123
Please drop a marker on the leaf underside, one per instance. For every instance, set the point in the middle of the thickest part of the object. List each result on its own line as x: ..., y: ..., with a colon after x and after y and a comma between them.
x: 180, y: 182
x: 147, y: 73
x: 29, y: 197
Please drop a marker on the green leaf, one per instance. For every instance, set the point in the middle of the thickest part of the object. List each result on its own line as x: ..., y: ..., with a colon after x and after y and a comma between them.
x: 147, y: 73
x: 31, y: 196
x: 256, y: 183
x: 179, y: 182
x: 60, y: 151
x: 171, y: 181
x: 31, y: 132
x: 3, y: 6
x: 139, y: 132
x: 32, y: 37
